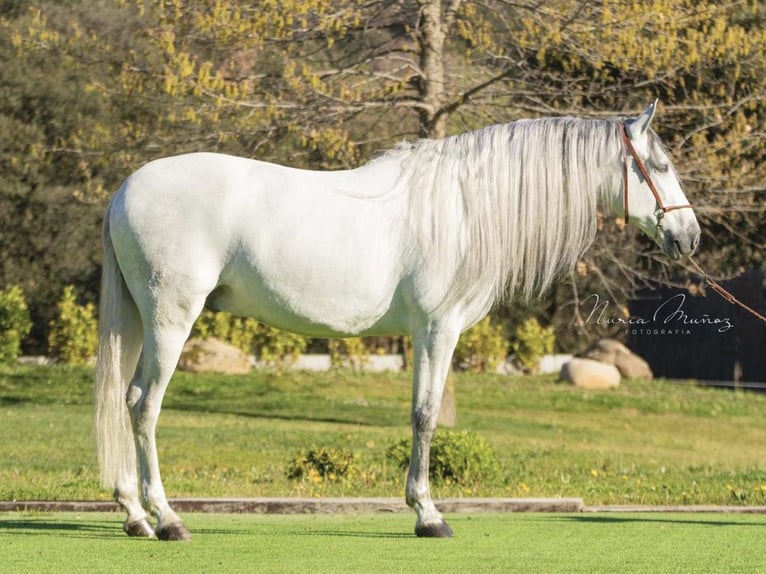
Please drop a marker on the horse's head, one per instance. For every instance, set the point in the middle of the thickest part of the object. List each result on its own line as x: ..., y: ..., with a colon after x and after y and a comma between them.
x: 652, y: 197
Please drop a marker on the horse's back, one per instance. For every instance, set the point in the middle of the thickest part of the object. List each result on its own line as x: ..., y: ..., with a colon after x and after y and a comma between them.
x: 211, y: 182
x: 187, y: 183
x: 203, y: 198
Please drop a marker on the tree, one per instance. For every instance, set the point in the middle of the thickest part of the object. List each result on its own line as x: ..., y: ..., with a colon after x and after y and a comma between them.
x: 49, y: 235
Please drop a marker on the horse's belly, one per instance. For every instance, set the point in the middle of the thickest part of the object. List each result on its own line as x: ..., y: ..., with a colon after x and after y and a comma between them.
x: 319, y: 299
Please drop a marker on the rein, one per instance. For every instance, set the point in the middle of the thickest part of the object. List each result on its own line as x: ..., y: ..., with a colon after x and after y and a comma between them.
x: 723, y: 292
x: 662, y: 209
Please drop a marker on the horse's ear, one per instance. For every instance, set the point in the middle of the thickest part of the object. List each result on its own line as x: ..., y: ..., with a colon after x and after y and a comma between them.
x: 639, y: 125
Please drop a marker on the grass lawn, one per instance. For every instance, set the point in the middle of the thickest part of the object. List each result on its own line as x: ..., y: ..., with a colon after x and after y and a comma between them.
x: 644, y: 443
x: 571, y: 543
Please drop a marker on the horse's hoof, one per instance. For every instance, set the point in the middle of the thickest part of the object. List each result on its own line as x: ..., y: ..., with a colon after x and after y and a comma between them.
x: 173, y: 532
x: 436, y: 530
x: 139, y: 528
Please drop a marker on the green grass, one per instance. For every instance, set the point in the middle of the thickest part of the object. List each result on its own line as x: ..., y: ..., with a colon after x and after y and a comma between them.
x: 571, y: 543
x: 644, y: 443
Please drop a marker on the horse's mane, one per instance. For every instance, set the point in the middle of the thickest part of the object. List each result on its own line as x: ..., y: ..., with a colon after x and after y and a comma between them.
x: 517, y: 201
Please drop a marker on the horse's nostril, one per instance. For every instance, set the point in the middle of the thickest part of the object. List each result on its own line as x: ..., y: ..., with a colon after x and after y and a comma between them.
x: 695, y: 242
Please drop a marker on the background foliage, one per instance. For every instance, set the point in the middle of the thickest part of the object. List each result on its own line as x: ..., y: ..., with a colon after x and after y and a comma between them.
x: 90, y: 90
x: 73, y: 336
x: 531, y: 343
x: 481, y: 348
x: 15, y: 323
x: 462, y: 458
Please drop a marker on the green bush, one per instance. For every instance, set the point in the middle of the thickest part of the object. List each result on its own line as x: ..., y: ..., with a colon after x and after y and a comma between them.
x: 322, y: 464
x: 462, y: 458
x: 73, y: 336
x: 277, y: 348
x: 532, y: 341
x: 15, y: 323
x: 352, y: 353
x: 226, y: 327
x: 481, y: 348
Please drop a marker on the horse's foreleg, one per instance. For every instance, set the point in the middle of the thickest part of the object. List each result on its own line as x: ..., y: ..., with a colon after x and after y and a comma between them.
x: 161, y: 351
x: 432, y: 357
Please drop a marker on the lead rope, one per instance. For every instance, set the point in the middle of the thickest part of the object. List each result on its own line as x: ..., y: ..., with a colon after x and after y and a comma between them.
x: 723, y: 292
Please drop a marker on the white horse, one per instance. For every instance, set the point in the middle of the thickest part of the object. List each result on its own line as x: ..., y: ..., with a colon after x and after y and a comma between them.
x: 420, y: 241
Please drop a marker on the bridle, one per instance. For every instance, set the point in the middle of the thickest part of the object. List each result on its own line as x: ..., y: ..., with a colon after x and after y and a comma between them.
x: 662, y: 209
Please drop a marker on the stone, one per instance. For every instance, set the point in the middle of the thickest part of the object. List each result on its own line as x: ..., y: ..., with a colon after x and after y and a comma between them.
x: 507, y: 367
x: 590, y: 374
x: 39, y: 360
x: 604, y: 350
x: 553, y: 363
x: 613, y: 352
x: 213, y: 356
x: 633, y: 367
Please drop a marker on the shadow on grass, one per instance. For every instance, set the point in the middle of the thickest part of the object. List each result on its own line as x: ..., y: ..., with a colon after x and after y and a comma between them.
x: 41, y: 526
x: 352, y: 534
x: 90, y: 529
x: 303, y: 533
x: 656, y: 518
x: 358, y: 417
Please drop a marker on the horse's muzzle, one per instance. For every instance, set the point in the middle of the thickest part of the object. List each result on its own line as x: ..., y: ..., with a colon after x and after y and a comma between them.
x: 677, y: 245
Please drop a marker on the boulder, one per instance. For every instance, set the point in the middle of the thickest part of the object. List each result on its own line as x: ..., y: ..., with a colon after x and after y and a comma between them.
x: 213, y: 356
x: 612, y: 352
x: 633, y: 367
x: 590, y: 374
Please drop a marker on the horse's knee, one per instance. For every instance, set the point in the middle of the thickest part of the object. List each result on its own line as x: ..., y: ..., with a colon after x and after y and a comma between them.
x: 424, y: 421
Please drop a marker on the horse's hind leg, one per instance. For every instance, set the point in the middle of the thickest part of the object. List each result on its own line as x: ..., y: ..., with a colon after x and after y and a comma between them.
x: 126, y: 494
x: 433, y: 354
x: 162, y: 348
x: 125, y: 480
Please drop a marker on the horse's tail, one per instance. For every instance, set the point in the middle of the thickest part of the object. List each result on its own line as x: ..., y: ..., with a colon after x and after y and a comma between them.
x: 119, y: 347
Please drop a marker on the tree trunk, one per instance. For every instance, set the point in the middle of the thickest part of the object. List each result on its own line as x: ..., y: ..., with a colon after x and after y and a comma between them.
x: 448, y: 412
x: 434, y: 25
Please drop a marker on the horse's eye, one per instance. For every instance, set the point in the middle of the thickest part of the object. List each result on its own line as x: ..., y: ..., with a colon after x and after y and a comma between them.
x: 662, y: 167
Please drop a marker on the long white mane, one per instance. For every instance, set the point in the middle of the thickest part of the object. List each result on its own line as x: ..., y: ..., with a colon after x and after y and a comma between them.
x: 515, y: 202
